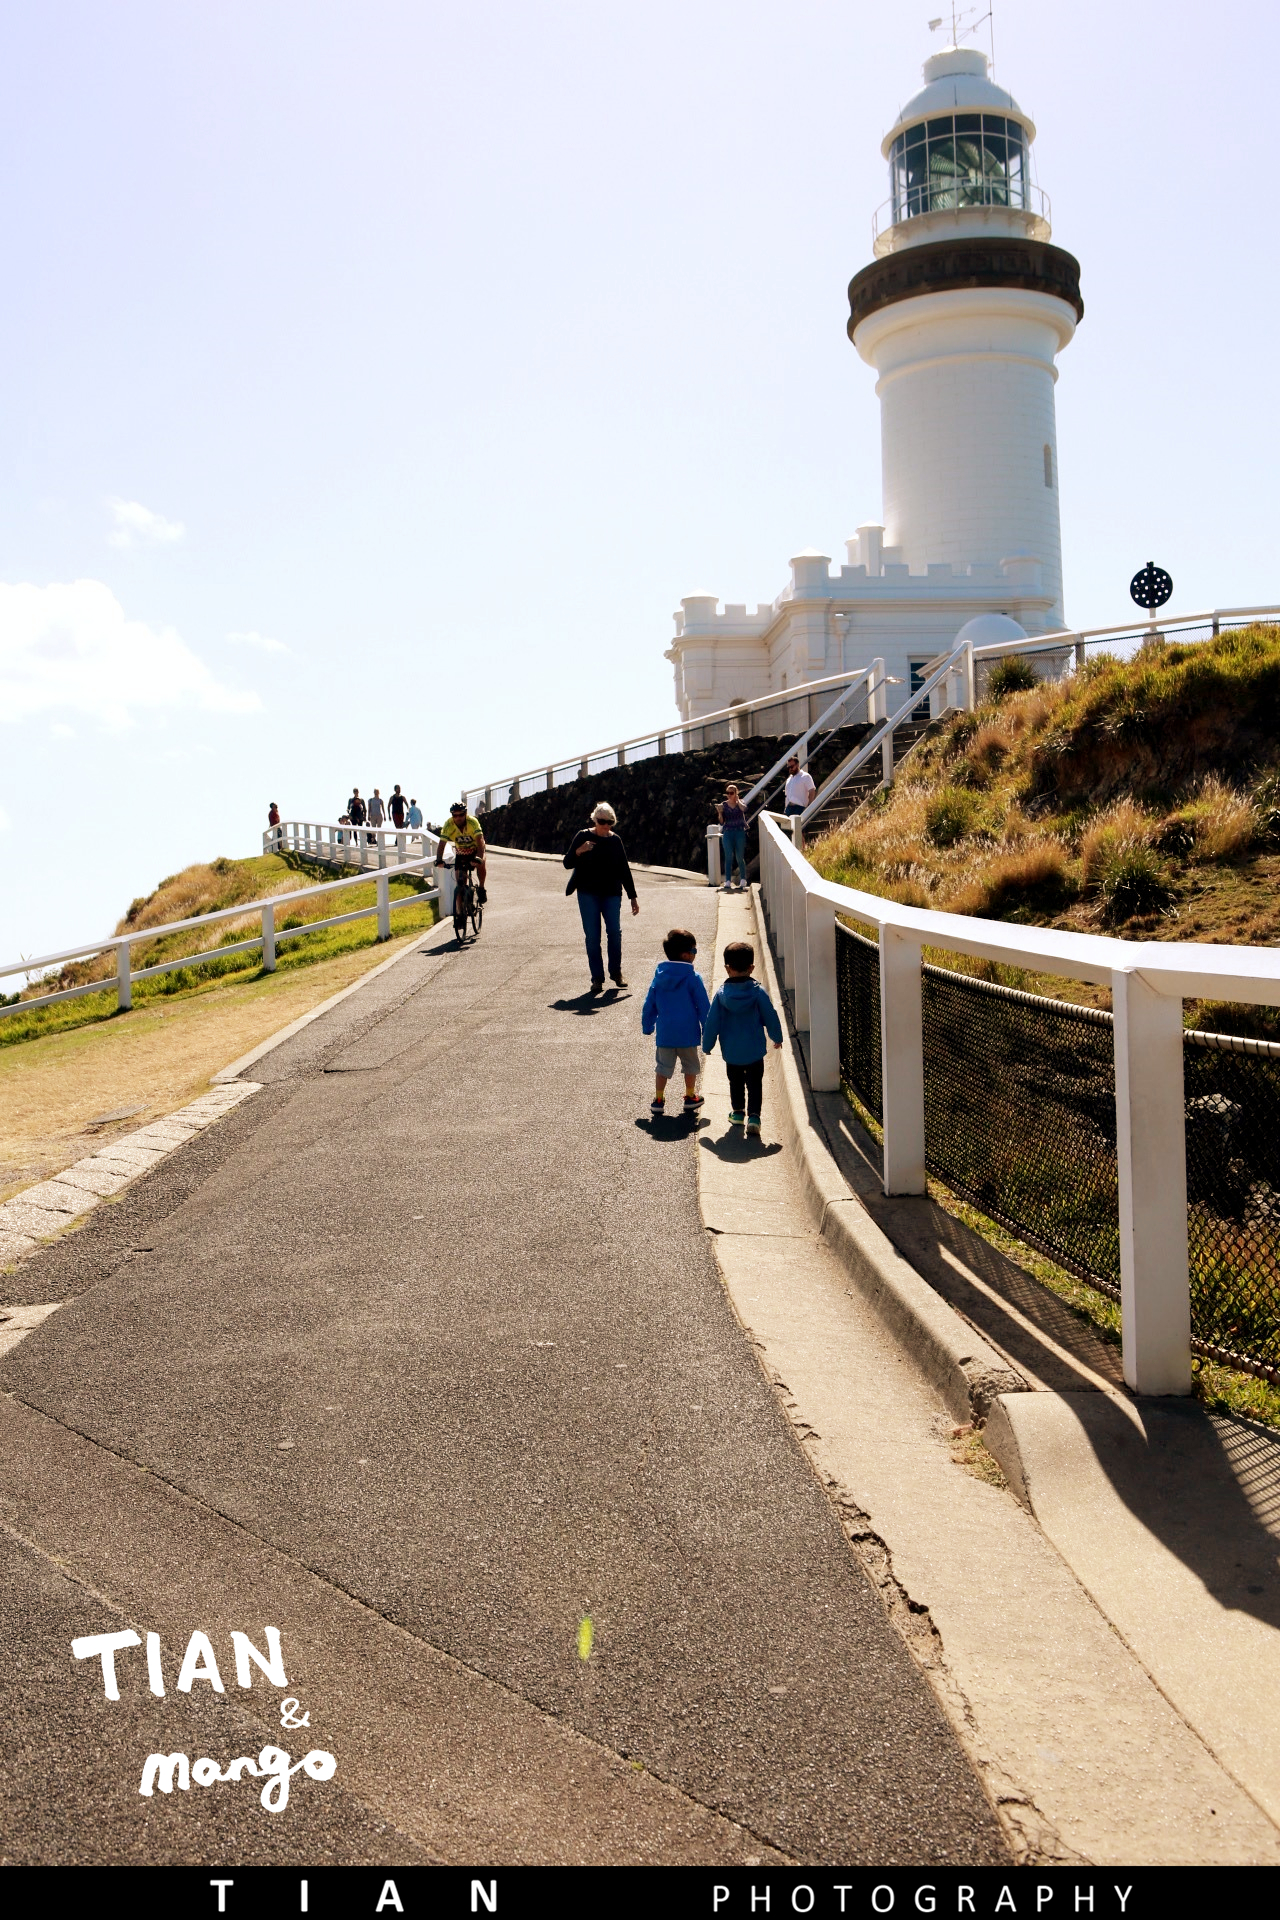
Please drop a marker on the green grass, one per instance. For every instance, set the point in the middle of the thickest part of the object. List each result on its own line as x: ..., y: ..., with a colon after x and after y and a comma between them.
x: 302, y: 950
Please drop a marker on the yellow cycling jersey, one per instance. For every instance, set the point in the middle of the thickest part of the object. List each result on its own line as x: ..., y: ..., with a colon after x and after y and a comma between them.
x: 466, y: 838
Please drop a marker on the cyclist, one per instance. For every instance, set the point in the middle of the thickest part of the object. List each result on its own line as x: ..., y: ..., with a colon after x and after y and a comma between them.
x: 467, y: 835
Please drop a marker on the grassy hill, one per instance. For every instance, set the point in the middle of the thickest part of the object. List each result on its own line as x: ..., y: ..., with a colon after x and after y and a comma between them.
x: 207, y: 888
x: 1140, y: 798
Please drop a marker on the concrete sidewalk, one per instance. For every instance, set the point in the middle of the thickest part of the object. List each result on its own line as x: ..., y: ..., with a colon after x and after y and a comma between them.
x: 422, y: 1356
x: 1100, y: 1665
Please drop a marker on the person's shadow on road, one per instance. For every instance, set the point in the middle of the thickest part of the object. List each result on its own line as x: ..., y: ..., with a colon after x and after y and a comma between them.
x: 732, y: 1146
x: 588, y: 1003
x: 677, y: 1126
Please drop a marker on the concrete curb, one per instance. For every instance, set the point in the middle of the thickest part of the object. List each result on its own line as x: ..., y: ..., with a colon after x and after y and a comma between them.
x: 968, y: 1373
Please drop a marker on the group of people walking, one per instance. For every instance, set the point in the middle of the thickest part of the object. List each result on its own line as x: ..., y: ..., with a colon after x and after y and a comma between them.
x: 741, y: 1018
x: 397, y: 812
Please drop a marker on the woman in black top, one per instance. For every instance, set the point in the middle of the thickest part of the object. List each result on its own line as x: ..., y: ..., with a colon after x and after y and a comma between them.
x: 601, y: 874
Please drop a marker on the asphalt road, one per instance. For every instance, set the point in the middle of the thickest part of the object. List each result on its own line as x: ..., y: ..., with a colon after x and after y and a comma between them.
x: 425, y: 1358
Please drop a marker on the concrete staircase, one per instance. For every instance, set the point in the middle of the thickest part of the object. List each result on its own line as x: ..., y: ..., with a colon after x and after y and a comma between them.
x: 866, y: 781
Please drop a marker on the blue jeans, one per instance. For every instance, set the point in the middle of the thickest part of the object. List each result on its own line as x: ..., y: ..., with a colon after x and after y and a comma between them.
x: 595, y: 907
x: 733, y: 840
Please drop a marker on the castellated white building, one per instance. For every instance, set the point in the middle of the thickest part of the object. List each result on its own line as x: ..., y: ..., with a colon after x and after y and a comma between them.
x: 962, y: 313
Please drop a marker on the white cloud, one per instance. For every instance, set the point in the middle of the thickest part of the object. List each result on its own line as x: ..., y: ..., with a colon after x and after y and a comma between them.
x: 263, y: 642
x: 60, y: 731
x: 70, y: 649
x: 5, y: 821
x: 136, y: 525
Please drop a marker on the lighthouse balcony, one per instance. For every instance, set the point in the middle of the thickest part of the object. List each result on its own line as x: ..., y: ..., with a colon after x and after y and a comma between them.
x: 921, y: 214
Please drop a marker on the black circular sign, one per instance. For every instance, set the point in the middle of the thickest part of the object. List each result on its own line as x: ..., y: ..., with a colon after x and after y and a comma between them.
x: 1151, y: 586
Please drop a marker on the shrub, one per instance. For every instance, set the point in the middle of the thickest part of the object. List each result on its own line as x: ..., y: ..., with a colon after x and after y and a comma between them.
x: 950, y: 816
x: 1013, y: 674
x: 1132, y: 881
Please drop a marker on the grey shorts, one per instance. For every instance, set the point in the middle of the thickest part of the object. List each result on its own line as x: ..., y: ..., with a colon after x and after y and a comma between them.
x: 690, y: 1059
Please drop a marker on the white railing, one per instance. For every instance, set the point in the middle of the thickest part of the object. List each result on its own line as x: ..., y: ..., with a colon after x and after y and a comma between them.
x: 1149, y: 980
x: 267, y: 940
x: 912, y: 203
x: 331, y: 844
x: 959, y: 671
x: 662, y: 740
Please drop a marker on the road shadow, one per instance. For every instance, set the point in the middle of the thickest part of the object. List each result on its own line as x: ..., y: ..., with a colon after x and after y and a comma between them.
x: 737, y: 1148
x: 588, y: 1003
x: 674, y: 1126
x: 1206, y: 1484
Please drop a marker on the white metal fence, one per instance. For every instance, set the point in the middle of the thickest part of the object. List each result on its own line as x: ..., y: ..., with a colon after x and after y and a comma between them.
x: 267, y: 941
x: 334, y: 845
x: 1148, y: 980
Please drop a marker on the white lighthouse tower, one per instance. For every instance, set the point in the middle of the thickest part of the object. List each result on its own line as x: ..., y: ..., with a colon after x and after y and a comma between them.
x: 962, y: 316
x: 962, y: 312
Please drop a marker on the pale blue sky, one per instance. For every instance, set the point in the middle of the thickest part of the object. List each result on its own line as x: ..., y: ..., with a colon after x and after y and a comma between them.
x: 445, y: 348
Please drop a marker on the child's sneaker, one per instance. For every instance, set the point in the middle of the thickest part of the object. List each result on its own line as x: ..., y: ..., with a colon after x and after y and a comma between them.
x: 753, y: 1123
x: 657, y: 1108
x: 692, y: 1101
x: 737, y: 1119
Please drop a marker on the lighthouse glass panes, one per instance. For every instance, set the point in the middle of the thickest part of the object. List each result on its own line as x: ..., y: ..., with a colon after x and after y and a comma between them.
x: 964, y: 160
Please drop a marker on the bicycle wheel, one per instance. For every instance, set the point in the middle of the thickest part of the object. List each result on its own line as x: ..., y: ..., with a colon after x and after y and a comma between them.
x: 460, y: 903
x: 477, y: 915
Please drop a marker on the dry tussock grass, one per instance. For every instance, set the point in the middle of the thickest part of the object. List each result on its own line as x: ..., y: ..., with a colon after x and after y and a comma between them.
x: 1123, y: 824
x: 1001, y: 881
x: 1225, y: 823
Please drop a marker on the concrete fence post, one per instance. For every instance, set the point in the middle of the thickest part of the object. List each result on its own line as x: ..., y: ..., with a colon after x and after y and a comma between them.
x: 886, y: 760
x: 902, y: 1061
x: 124, y: 986
x: 268, y: 939
x: 800, y: 948
x: 968, y: 678
x: 622, y: 756
x: 383, y: 884
x: 662, y: 745
x: 1151, y: 1161
x: 824, y: 1011
x: 713, y: 856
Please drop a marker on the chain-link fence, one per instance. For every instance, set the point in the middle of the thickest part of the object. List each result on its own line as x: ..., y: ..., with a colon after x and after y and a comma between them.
x: 858, y: 1006
x: 1019, y: 1098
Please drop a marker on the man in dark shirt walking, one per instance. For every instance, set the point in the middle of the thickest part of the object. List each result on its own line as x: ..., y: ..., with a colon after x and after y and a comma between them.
x: 601, y: 874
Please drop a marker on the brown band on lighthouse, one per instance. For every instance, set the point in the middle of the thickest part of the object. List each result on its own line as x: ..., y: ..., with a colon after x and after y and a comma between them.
x: 942, y: 265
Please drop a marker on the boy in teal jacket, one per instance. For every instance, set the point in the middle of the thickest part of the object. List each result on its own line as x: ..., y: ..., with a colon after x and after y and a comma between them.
x: 740, y: 1017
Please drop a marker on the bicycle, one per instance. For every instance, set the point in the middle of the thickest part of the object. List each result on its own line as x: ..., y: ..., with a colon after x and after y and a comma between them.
x: 466, y: 900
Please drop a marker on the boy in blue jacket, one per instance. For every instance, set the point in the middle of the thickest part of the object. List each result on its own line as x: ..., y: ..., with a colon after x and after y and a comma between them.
x: 739, y: 1018
x: 676, y: 1005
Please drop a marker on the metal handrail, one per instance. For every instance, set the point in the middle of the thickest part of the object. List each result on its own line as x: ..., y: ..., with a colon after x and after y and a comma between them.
x: 965, y: 657
x: 1036, y: 203
x: 779, y: 697
x: 874, y: 686
x: 1077, y: 636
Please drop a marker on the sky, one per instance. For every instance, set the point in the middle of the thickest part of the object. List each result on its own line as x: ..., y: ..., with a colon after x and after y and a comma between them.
x: 378, y: 377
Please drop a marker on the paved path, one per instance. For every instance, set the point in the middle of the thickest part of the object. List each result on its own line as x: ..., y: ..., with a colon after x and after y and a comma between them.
x: 426, y: 1359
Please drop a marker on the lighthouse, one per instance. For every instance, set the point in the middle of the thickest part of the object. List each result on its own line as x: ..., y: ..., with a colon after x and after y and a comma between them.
x: 962, y: 313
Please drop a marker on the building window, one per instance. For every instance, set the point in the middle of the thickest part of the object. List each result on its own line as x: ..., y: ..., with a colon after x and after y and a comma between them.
x: 1048, y: 464
x: 964, y: 160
